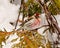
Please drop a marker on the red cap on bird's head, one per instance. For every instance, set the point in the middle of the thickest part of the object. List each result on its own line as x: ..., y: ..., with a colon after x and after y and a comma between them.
x: 37, y: 15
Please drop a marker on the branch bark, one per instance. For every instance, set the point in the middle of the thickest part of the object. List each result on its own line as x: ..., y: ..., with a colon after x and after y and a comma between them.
x: 53, y: 25
x: 21, y: 8
x: 49, y: 17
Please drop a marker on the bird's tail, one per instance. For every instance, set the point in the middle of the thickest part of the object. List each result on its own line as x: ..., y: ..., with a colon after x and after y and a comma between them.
x: 20, y: 28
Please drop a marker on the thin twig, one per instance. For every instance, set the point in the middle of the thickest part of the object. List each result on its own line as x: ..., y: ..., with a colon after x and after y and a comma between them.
x: 18, y: 16
x: 17, y: 20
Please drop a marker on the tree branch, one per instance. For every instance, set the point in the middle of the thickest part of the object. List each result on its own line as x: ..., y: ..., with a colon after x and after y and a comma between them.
x: 49, y: 17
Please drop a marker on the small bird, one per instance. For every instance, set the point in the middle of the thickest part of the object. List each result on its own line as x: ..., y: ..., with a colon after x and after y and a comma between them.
x: 33, y: 23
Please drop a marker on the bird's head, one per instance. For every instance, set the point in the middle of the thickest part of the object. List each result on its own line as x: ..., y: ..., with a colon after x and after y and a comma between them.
x: 37, y: 15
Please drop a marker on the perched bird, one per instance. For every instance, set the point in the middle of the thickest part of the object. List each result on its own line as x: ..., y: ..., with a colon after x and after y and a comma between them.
x: 33, y: 23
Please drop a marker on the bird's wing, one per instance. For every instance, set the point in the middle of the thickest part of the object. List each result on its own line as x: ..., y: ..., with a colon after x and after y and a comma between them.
x: 29, y: 23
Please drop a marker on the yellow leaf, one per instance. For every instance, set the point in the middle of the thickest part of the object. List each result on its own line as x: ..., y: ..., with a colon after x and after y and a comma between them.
x: 57, y: 2
x: 30, y: 43
x: 48, y: 45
